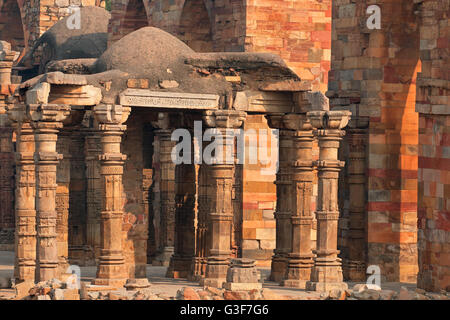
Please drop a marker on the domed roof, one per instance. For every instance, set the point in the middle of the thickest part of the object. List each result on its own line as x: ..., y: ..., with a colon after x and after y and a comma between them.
x: 148, y: 52
x: 89, y: 41
x: 61, y: 42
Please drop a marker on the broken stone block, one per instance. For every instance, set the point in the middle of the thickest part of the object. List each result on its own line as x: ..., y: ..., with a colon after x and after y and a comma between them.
x: 58, y: 294
x: 242, y: 275
x: 167, y: 84
x: 318, y: 101
x: 236, y: 295
x: 364, y: 286
x: 23, y: 289
x: 139, y: 283
x: 187, y: 293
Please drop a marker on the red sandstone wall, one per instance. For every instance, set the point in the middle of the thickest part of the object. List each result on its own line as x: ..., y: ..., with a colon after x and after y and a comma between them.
x: 258, y: 203
x: 299, y: 31
x: 434, y: 146
x: 374, y: 75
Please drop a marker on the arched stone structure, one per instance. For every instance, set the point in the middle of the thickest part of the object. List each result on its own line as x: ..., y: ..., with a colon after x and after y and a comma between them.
x: 195, y: 26
x: 12, y: 29
x: 126, y: 17
x: 374, y: 75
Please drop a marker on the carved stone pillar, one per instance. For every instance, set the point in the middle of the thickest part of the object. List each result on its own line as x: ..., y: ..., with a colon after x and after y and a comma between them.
x: 300, y: 259
x: 283, y: 210
x: 25, y: 213
x: 62, y: 198
x: 220, y: 213
x: 185, y: 216
x: 355, y: 265
x: 111, y: 270
x: 93, y: 191
x: 6, y: 178
x: 78, y: 247
x: 327, y: 271
x: 166, y: 190
x: 47, y: 119
x: 200, y: 259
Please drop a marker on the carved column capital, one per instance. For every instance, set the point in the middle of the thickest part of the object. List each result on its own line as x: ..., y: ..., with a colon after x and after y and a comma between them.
x: 16, y: 112
x: 329, y: 119
x: 48, y: 113
x: 297, y: 122
x: 226, y: 119
x: 111, y: 114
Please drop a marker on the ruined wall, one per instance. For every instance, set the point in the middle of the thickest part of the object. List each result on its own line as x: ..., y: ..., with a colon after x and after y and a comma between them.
x: 434, y: 146
x: 373, y: 75
x: 206, y: 25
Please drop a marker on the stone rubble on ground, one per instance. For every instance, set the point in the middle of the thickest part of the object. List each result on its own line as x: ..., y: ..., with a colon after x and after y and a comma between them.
x: 57, y: 290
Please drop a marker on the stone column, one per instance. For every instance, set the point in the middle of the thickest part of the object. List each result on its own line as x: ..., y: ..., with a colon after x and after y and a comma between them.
x: 6, y: 178
x: 7, y: 58
x: 78, y: 247
x: 166, y: 190
x: 185, y: 216
x: 62, y: 198
x: 300, y: 259
x: 93, y: 190
x: 283, y: 210
x: 220, y: 212
x: 111, y: 270
x: 199, y: 261
x: 327, y: 271
x: 25, y: 213
x: 355, y: 266
x: 47, y: 120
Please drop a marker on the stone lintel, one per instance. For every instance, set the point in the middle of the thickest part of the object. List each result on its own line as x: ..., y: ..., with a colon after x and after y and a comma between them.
x: 172, y: 100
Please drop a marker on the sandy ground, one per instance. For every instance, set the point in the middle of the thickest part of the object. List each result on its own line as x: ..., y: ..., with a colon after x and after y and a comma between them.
x: 161, y: 284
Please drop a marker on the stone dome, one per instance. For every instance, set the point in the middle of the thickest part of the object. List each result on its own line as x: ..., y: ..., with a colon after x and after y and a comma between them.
x: 148, y: 52
x: 61, y: 42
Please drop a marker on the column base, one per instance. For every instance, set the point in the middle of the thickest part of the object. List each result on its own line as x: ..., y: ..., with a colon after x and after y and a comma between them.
x: 197, y: 269
x: 179, y: 267
x: 354, y: 270
x: 242, y: 286
x: 213, y: 282
x: 216, y: 272
x: 112, y: 283
x: 278, y: 269
x: 163, y: 258
x: 325, y: 286
x: 294, y: 283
